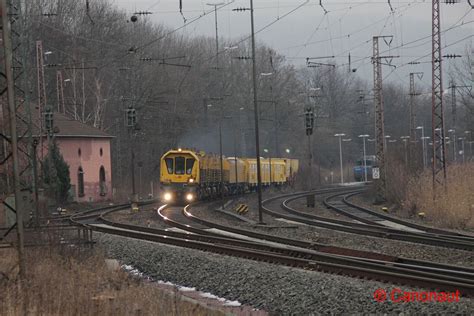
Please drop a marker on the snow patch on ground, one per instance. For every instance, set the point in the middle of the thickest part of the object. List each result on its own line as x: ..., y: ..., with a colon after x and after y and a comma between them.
x: 130, y: 269
x: 186, y: 289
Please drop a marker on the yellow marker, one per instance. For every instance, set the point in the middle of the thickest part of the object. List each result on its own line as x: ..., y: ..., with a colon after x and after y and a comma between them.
x: 385, y: 209
x: 421, y: 214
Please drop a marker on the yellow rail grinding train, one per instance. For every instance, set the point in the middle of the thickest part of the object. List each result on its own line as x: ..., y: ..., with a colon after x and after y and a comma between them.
x: 188, y: 175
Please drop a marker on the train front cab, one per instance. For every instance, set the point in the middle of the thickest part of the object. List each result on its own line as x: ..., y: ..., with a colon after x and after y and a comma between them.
x: 179, y: 176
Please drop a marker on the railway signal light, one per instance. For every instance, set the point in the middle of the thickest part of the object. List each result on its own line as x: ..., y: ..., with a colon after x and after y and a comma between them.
x: 48, y: 119
x: 131, y: 117
x: 309, y: 121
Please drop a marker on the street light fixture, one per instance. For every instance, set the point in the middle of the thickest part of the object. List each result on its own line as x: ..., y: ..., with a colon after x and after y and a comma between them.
x: 405, y: 141
x: 270, y: 162
x: 423, y: 145
x: 462, y: 148
x: 469, y: 141
x: 385, y: 140
x: 340, y: 135
x: 453, y: 131
x: 365, y: 160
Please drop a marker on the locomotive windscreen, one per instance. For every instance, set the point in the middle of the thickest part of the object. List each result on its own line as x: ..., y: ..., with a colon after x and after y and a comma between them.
x: 179, y: 165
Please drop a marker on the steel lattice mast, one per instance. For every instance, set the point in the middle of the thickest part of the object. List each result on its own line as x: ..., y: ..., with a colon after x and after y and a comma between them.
x: 18, y: 147
x: 379, y: 119
x: 412, y: 126
x: 379, y: 114
x: 437, y: 113
x: 41, y: 90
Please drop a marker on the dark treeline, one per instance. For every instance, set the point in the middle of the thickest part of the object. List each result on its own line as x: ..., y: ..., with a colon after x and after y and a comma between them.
x: 180, y: 91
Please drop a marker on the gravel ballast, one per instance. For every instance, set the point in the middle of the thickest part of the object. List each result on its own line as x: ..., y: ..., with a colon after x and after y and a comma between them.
x: 279, y: 290
x: 337, y: 238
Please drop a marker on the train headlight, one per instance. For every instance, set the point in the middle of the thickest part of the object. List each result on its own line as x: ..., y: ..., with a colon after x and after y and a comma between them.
x: 167, y: 196
x: 189, y: 197
x: 191, y: 180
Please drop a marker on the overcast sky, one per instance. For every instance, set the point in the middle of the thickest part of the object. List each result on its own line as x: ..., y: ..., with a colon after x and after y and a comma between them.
x: 348, y: 27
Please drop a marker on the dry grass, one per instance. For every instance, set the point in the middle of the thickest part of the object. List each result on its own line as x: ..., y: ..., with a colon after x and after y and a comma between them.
x: 453, y: 208
x: 59, y: 284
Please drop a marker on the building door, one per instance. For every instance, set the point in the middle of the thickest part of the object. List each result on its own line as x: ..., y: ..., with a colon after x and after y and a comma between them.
x: 102, y: 183
x: 80, y: 182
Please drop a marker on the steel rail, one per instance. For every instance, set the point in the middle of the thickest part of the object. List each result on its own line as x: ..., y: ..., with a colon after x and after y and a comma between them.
x: 401, y: 221
x: 465, y: 275
x: 365, y: 229
x: 338, y: 268
x: 266, y: 253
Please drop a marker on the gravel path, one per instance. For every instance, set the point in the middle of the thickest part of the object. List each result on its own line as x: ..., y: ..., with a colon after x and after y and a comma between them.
x: 279, y: 290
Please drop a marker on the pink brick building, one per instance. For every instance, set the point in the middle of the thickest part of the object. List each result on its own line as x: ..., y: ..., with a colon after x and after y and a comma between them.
x: 87, y: 152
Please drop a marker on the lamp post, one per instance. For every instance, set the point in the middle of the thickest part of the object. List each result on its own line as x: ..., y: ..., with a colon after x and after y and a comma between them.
x: 462, y: 148
x: 386, y: 137
x: 405, y: 141
x: 423, y: 145
x: 365, y: 161
x: 220, y: 157
x: 371, y: 140
x: 453, y: 131
x: 347, y: 140
x: 242, y: 147
x: 270, y: 163
x: 469, y: 141
x: 340, y: 153
x: 425, y: 149
x: 275, y: 113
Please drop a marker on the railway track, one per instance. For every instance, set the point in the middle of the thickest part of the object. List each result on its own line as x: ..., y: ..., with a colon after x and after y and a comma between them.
x: 283, y: 251
x: 366, y: 222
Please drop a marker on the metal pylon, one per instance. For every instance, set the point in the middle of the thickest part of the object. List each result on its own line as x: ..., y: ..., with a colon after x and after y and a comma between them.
x: 438, y: 129
x: 16, y: 121
x: 413, y: 124
x: 379, y: 119
x: 379, y: 114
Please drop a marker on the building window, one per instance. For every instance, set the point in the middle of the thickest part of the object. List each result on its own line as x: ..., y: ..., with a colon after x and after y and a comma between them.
x: 79, y: 152
x: 102, y: 183
x: 80, y: 182
x: 101, y: 152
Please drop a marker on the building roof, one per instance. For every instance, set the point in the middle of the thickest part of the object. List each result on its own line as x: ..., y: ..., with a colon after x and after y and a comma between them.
x: 64, y: 127
x: 71, y: 128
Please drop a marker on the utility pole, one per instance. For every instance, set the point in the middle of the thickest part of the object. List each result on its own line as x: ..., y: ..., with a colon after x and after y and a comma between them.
x: 255, y: 105
x: 255, y: 108
x: 437, y: 113
x: 379, y: 116
x: 309, y: 126
x: 453, y: 88
x: 132, y: 126
x: 60, y: 92
x: 215, y: 5
x: 413, y: 94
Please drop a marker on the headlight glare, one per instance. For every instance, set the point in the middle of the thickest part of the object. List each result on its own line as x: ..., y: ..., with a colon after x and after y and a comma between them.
x: 167, y: 196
